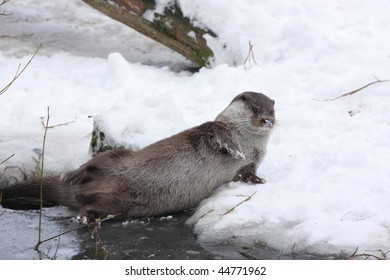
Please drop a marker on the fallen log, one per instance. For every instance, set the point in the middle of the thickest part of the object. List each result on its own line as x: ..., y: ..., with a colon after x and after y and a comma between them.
x: 170, y: 28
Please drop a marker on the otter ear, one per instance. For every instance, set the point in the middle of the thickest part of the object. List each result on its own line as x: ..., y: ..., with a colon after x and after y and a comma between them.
x: 243, y: 98
x: 273, y: 102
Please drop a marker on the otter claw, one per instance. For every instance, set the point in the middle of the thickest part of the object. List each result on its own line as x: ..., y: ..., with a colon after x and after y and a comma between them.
x: 252, y: 178
x: 257, y: 180
x: 82, y: 220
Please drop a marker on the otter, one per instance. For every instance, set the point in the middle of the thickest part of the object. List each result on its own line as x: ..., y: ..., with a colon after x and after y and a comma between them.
x: 168, y: 176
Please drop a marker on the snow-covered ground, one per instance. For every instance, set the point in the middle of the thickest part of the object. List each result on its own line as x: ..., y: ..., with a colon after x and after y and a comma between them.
x: 327, y: 167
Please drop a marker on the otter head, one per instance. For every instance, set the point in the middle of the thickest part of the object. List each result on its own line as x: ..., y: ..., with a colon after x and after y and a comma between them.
x: 250, y: 112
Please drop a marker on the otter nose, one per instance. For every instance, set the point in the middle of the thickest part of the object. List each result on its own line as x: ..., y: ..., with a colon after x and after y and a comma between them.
x: 268, y: 122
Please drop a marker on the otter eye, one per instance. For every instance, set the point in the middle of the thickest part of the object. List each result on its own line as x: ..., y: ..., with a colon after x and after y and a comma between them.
x: 255, y: 110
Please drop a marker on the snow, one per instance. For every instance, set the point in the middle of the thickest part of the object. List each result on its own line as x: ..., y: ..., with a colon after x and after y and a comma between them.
x: 327, y: 167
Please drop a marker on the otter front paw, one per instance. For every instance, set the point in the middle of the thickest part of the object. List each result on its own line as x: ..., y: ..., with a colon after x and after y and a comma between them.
x: 257, y: 180
x: 250, y: 177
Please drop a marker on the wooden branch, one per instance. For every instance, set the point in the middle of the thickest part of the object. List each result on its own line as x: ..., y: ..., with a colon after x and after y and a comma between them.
x: 138, y: 7
x: 367, y: 255
x: 356, y: 90
x: 171, y: 28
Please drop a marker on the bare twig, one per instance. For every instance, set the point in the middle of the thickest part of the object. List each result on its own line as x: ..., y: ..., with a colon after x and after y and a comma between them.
x: 384, y: 254
x: 250, y: 56
x: 7, y: 159
x: 99, y: 242
x: 341, y: 219
x: 367, y: 255
x: 280, y: 253
x: 2, y: 173
x: 41, y: 180
x: 62, y: 233
x: 57, y: 247
x: 18, y: 73
x: 354, y: 253
x: 3, y: 13
x: 4, y: 2
x: 357, y: 90
x: 97, y: 222
x: 245, y: 200
x: 22, y: 171
x: 247, y: 254
x: 292, y: 249
x: 1, y: 197
x: 56, y: 125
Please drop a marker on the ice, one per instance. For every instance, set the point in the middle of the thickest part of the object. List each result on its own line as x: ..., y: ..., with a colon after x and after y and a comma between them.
x: 19, y: 234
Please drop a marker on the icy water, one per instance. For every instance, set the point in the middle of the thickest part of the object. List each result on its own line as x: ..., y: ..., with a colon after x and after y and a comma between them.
x: 167, y: 237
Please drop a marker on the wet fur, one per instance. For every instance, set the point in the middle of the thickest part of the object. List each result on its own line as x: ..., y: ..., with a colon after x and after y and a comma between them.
x: 170, y: 175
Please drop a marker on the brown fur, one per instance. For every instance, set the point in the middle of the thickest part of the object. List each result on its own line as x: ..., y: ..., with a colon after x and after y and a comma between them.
x: 170, y: 175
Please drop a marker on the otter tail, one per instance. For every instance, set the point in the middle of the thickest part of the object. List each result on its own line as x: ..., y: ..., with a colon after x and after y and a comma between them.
x: 26, y: 195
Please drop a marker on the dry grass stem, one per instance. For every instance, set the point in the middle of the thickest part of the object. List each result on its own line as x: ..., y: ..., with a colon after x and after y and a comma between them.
x: 40, y: 176
x: 245, y: 200
x: 96, y: 223
x: 22, y: 171
x: 57, y: 247
x: 19, y: 72
x: 94, y: 227
x: 201, y: 217
x: 357, y: 90
x: 56, y: 125
x: 250, y: 56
